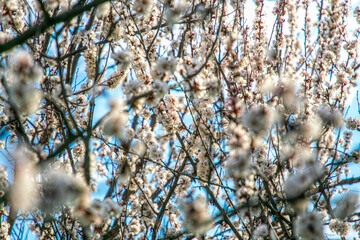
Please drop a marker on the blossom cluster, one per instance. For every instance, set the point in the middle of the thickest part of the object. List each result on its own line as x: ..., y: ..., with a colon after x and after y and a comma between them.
x: 179, y: 119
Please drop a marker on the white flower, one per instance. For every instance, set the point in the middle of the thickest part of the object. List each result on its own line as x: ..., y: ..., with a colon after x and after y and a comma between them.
x: 22, y: 75
x: 114, y: 125
x: 60, y: 188
x: 112, y: 208
x: 309, y: 226
x: 311, y: 127
x: 103, y: 10
x: 124, y: 171
x: 346, y: 205
x: 300, y: 182
x: 259, y: 119
x: 26, y: 97
x: 159, y: 88
x: 261, y: 231
x: 238, y: 163
x: 332, y: 117
x: 122, y: 59
x: 197, y: 218
x: 23, y: 191
x: 339, y: 227
x: 25, y: 69
x: 116, y: 78
x: 4, y: 37
x: 164, y: 65
x: 139, y: 148
x: 143, y: 7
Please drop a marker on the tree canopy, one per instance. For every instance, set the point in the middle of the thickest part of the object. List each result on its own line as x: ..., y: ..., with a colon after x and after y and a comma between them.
x: 179, y: 119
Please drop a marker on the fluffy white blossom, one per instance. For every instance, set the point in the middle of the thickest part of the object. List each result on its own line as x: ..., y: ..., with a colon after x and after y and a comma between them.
x: 122, y: 59
x: 346, y: 205
x: 114, y: 124
x: 196, y: 215
x: 259, y: 119
x: 143, y: 7
x: 297, y: 184
x: 23, y: 76
x: 24, y: 191
x: 339, y: 227
x: 309, y: 226
x: 59, y: 188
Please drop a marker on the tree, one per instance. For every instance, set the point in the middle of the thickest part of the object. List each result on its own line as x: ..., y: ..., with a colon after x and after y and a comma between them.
x: 223, y: 119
